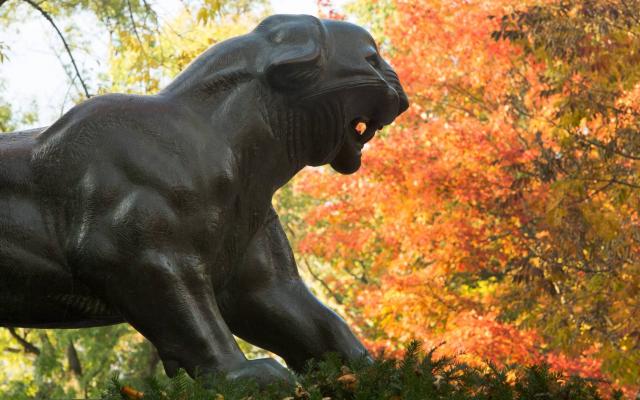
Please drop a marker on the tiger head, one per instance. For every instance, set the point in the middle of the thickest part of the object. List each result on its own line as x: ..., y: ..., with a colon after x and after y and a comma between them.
x: 339, y: 91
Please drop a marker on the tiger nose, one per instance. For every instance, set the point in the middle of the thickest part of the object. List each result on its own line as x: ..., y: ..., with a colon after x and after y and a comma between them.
x: 399, y: 97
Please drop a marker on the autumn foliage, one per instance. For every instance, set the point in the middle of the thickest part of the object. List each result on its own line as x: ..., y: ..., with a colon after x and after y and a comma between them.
x: 499, y: 214
x: 496, y: 220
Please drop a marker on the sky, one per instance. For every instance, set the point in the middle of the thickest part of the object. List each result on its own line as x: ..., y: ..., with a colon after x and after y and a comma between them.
x: 33, y: 76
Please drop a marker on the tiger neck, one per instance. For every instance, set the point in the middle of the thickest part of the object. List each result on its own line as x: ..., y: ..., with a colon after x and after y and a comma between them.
x: 310, y: 133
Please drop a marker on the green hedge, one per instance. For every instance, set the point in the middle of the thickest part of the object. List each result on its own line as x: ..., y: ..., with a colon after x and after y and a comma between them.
x: 416, y: 376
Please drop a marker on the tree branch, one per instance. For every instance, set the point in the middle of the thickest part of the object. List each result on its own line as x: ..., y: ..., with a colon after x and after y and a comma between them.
x: 135, y: 29
x: 154, y: 360
x: 27, y: 346
x: 336, y: 296
x: 64, y: 41
x: 12, y: 350
x: 74, y: 361
x: 605, y: 147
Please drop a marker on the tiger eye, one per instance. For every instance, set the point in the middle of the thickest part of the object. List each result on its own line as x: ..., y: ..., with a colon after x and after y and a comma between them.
x: 361, y: 127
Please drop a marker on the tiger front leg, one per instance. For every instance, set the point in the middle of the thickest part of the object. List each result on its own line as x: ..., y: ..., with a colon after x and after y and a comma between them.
x: 270, y: 306
x: 166, y: 296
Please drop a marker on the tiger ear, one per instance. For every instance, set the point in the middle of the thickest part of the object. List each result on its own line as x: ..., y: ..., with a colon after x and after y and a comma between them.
x: 295, y: 59
x: 295, y: 69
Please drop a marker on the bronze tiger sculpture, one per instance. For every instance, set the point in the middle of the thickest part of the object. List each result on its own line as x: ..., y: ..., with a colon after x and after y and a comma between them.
x: 156, y: 210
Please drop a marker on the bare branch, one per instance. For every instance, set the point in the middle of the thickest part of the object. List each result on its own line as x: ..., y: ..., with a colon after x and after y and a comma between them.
x: 135, y: 29
x: 12, y: 350
x: 66, y: 95
x: 604, y: 147
x: 64, y: 41
x: 154, y: 360
x: 74, y: 361
x: 336, y: 296
x: 26, y: 345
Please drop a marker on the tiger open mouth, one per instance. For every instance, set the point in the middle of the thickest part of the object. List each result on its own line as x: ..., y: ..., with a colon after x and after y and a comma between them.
x: 363, y: 120
x: 364, y: 129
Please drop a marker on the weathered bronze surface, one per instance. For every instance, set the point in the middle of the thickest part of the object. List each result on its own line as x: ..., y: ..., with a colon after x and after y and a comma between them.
x: 156, y: 210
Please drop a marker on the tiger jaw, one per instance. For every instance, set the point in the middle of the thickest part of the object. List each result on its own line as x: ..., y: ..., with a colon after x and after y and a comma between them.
x: 370, y: 110
x: 359, y: 131
x: 364, y: 129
